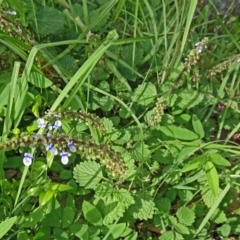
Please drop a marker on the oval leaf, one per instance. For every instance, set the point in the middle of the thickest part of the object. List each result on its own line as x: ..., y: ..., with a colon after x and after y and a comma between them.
x: 91, y: 214
x: 178, y: 132
x: 196, y: 163
x: 197, y: 126
x: 212, y: 177
x: 219, y: 160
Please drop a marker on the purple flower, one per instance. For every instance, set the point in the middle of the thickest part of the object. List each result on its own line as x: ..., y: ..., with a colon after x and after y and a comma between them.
x: 57, y: 124
x: 27, y: 160
x: 64, y: 157
x: 41, y: 123
x: 71, y: 146
x: 50, y: 147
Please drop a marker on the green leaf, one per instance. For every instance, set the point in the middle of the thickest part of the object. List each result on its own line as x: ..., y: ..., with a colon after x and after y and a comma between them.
x: 49, y: 20
x: 197, y: 126
x: 212, y: 177
x: 145, y: 94
x: 224, y: 230
x: 178, y: 133
x: 88, y: 174
x: 218, y: 216
x: 132, y: 236
x: 219, y: 160
x: 44, y: 197
x: 208, y: 197
x: 163, y: 205
x: 6, y: 225
x: 39, y: 80
x: 196, y: 163
x: 67, y: 216
x: 92, y: 214
x: 116, y: 230
x: 144, y: 206
x: 170, y: 235
x: 182, y: 229
x: 140, y: 151
x: 190, y: 98
x: 185, y: 216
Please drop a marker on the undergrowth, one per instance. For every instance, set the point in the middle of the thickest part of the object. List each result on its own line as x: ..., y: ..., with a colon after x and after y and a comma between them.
x: 119, y: 120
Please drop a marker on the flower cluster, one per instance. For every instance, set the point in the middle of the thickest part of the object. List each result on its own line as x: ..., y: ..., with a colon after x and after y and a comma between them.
x: 223, y: 66
x: 61, y: 144
x: 194, y: 55
x: 157, y: 112
x: 51, y: 147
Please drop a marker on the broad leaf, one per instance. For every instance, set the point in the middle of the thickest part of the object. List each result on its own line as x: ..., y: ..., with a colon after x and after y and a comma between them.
x: 144, y: 94
x: 219, y: 160
x: 49, y: 20
x: 178, y: 132
x: 92, y: 214
x: 185, y: 216
x: 88, y: 174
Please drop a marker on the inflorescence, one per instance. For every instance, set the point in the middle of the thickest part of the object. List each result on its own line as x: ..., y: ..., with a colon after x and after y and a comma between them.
x: 58, y: 143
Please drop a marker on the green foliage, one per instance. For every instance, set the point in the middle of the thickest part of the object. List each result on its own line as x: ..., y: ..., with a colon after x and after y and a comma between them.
x: 149, y: 117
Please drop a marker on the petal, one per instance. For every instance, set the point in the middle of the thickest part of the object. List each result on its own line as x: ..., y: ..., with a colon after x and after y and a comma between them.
x: 57, y: 124
x: 64, y: 160
x: 54, y: 151
x: 27, y: 161
x: 41, y: 123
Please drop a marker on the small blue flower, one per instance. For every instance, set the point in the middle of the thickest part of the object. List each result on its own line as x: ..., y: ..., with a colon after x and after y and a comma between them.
x: 27, y: 160
x: 71, y: 146
x: 50, y: 147
x: 57, y: 124
x: 41, y: 123
x: 64, y: 157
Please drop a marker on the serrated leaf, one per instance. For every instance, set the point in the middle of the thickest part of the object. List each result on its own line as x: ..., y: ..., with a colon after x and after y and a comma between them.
x: 109, y: 194
x: 178, y: 133
x: 208, y: 197
x: 100, y: 24
x: 49, y: 20
x: 67, y: 62
x: 196, y: 163
x: 39, y: 80
x: 145, y: 94
x: 219, y: 160
x: 140, y: 151
x: 218, y: 216
x: 182, y: 229
x: 106, y: 103
x: 91, y: 214
x: 212, y: 177
x: 110, y: 210
x: 190, y: 98
x: 88, y: 174
x: 185, y: 216
x: 197, y: 126
x: 127, y: 55
x: 143, y: 208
